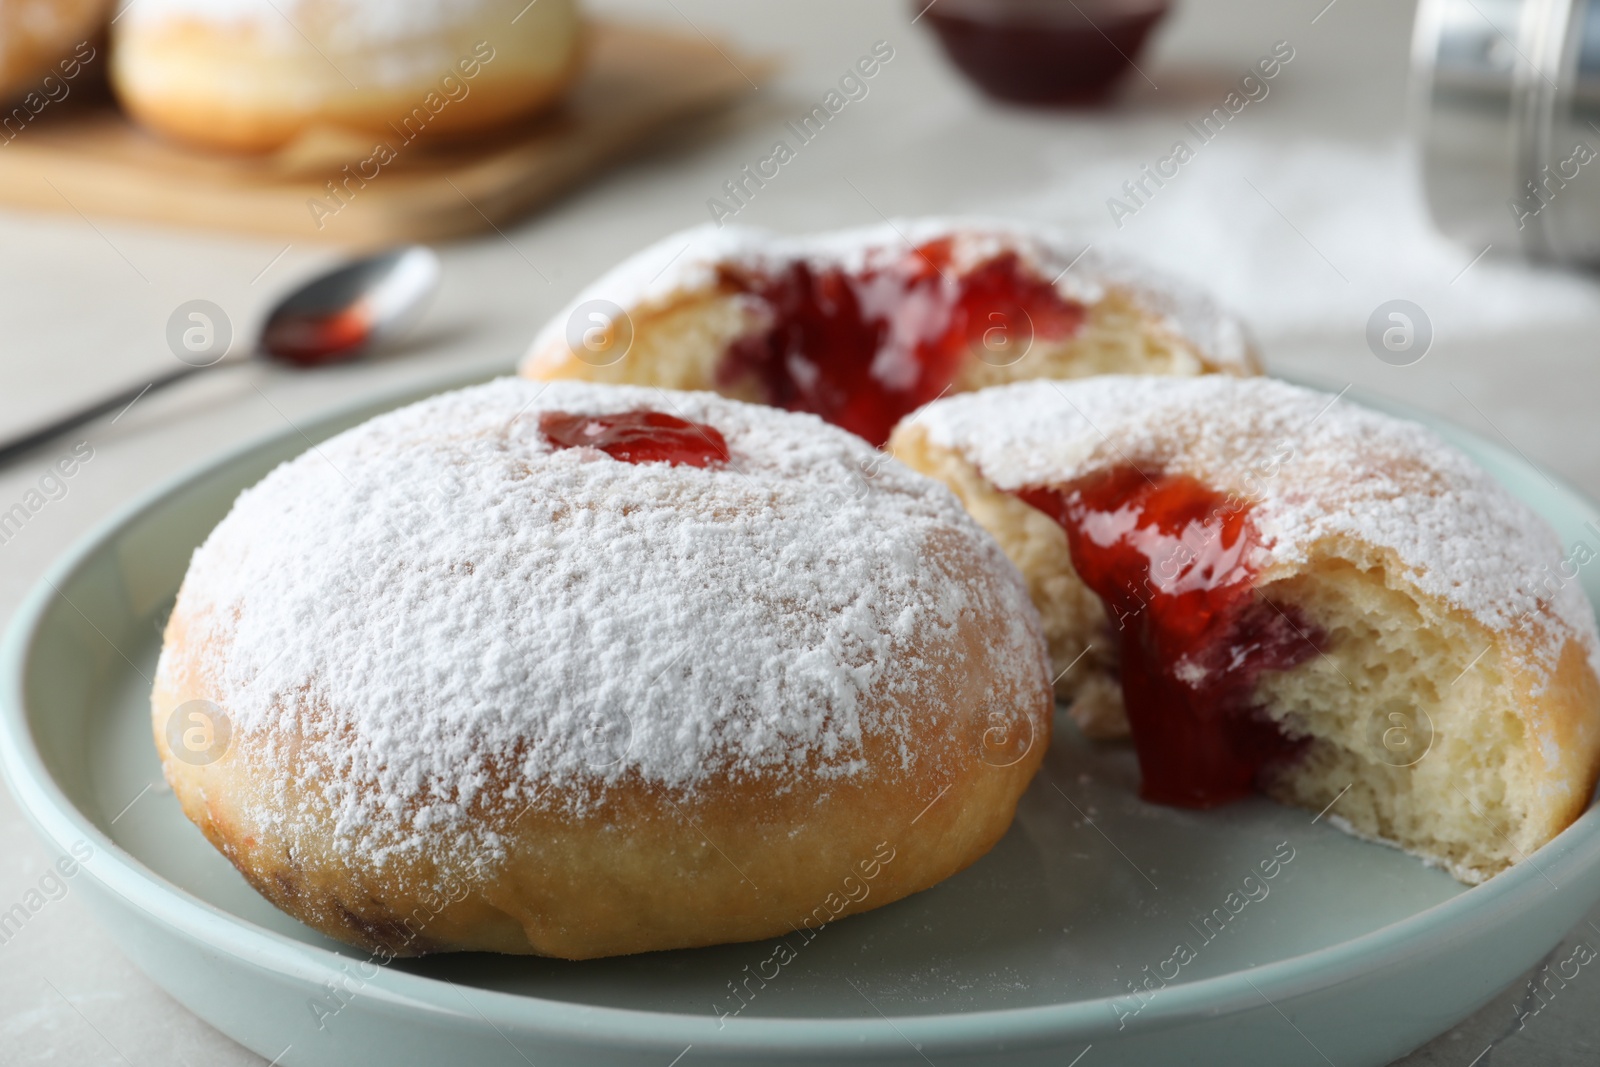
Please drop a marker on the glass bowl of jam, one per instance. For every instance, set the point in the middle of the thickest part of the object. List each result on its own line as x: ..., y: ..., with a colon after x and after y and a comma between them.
x: 1059, y: 52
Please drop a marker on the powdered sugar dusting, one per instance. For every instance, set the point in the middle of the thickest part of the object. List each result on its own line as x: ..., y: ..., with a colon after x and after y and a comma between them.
x: 688, y: 262
x: 438, y: 613
x: 1314, y: 469
x: 347, y: 23
x: 1359, y: 205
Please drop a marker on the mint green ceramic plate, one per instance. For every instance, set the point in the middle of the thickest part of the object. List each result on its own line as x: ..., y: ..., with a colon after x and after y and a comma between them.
x: 1349, y: 954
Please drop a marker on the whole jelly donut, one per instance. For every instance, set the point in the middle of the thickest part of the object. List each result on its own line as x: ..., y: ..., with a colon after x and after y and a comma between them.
x: 1298, y: 595
x: 579, y: 670
x: 864, y: 326
x: 253, y: 75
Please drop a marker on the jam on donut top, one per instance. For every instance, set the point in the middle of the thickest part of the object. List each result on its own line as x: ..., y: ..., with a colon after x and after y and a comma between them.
x: 864, y: 326
x: 607, y: 586
x: 637, y: 437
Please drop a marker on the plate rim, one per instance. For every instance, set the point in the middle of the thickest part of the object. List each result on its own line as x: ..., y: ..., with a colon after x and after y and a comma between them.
x: 62, y: 823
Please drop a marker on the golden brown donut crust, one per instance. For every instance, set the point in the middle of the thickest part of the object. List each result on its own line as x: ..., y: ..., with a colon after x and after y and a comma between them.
x: 647, y: 869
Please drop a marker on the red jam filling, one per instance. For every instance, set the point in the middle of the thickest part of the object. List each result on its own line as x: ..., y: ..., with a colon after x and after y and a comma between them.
x: 1175, y: 563
x: 862, y: 349
x: 637, y: 437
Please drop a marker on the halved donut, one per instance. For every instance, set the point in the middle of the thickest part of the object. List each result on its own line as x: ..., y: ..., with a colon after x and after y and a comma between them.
x: 1296, y: 595
x: 863, y: 326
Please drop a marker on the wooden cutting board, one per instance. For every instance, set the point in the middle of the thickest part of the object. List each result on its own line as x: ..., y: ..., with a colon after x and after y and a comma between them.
x: 638, y: 81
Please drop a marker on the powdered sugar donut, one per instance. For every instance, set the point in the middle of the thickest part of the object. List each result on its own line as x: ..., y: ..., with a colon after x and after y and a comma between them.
x: 252, y: 75
x: 1296, y: 594
x: 579, y: 670
x: 863, y: 326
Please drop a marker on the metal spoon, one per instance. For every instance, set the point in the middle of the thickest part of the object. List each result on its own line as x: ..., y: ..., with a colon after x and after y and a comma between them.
x: 330, y: 319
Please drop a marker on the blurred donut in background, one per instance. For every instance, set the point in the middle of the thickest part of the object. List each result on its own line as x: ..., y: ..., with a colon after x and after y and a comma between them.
x: 253, y: 75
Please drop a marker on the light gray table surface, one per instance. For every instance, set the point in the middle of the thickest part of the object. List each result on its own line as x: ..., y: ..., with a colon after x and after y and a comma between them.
x: 1302, y: 213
